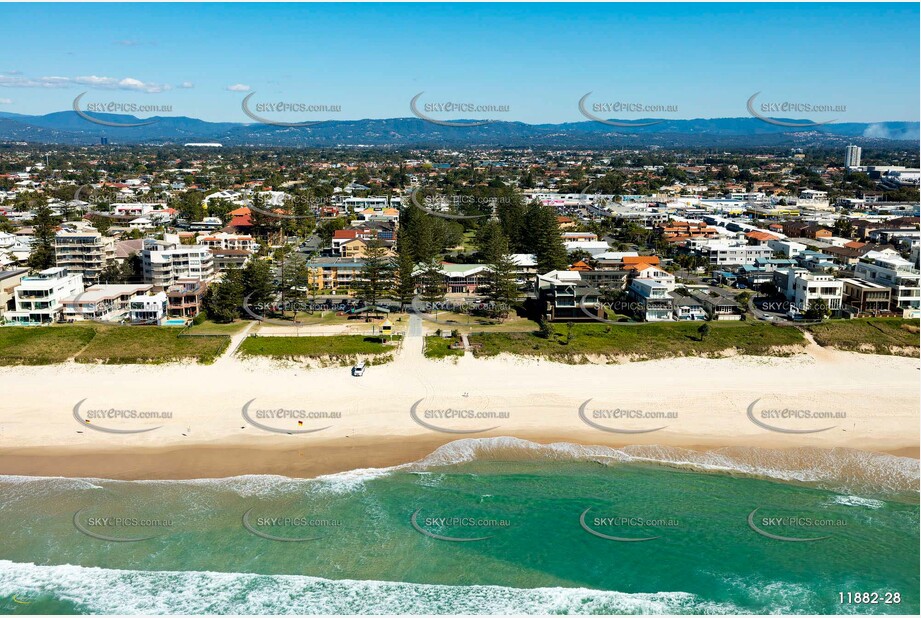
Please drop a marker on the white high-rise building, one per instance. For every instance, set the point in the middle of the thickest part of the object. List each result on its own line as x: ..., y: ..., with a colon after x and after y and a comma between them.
x: 166, y: 261
x: 852, y: 156
x: 85, y: 253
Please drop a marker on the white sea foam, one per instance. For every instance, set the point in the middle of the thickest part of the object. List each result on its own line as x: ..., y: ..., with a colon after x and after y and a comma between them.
x: 840, y: 469
x: 832, y: 468
x: 109, y: 591
x: 858, y: 501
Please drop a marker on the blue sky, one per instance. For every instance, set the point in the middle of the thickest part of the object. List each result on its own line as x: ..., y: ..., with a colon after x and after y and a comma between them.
x: 537, y: 59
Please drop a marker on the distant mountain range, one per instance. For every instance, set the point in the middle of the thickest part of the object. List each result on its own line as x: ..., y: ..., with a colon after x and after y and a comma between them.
x: 70, y: 128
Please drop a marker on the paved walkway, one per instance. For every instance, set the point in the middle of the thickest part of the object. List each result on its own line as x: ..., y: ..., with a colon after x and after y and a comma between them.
x: 235, y: 341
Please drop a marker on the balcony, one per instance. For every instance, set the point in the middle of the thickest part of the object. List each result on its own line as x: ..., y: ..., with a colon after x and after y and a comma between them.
x: 27, y: 294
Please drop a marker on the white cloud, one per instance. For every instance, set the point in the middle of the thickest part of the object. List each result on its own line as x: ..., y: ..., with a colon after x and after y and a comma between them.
x: 238, y: 88
x: 6, y: 101
x: 127, y: 43
x: 186, y: 85
x: 93, y: 81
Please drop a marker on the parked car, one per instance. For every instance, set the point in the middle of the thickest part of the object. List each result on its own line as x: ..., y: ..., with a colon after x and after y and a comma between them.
x: 359, y: 369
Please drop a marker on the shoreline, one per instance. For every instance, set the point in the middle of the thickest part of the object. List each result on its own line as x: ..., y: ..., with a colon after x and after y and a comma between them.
x: 385, y: 418
x: 213, y: 462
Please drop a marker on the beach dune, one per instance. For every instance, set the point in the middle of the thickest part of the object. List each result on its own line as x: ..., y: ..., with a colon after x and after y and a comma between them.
x: 256, y: 416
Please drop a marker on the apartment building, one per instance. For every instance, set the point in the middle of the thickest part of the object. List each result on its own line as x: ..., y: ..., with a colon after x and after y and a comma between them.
x: 852, y: 156
x: 39, y: 299
x: 896, y: 273
x: 721, y: 254
x: 866, y: 296
x: 224, y: 240
x: 185, y: 297
x: 83, y: 253
x: 229, y: 258
x: 334, y: 275
x: 166, y: 261
x: 103, y: 302
x: 681, y: 230
x: 464, y: 278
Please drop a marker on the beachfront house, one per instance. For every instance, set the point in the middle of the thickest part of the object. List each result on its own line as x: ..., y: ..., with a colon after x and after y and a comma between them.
x: 655, y: 302
x: 896, y: 273
x: 718, y: 303
x: 803, y: 288
x: 149, y: 309
x: 687, y: 307
x: 562, y: 295
x: 865, y: 297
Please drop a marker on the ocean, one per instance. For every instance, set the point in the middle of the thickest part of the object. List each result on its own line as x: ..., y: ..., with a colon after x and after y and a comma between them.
x: 495, y: 525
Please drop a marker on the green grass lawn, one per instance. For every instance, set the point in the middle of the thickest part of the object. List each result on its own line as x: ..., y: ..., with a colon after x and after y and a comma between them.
x: 91, y: 343
x: 213, y: 328
x: 439, y: 347
x: 149, y: 344
x: 42, y: 345
x: 449, y: 320
x: 644, y: 341
x: 872, y: 335
x: 327, y: 318
x: 314, y: 347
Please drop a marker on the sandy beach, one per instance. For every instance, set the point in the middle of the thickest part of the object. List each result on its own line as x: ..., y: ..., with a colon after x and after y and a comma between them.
x: 304, y: 422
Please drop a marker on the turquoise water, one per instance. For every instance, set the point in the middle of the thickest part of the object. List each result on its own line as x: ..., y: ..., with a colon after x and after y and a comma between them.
x: 369, y: 555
